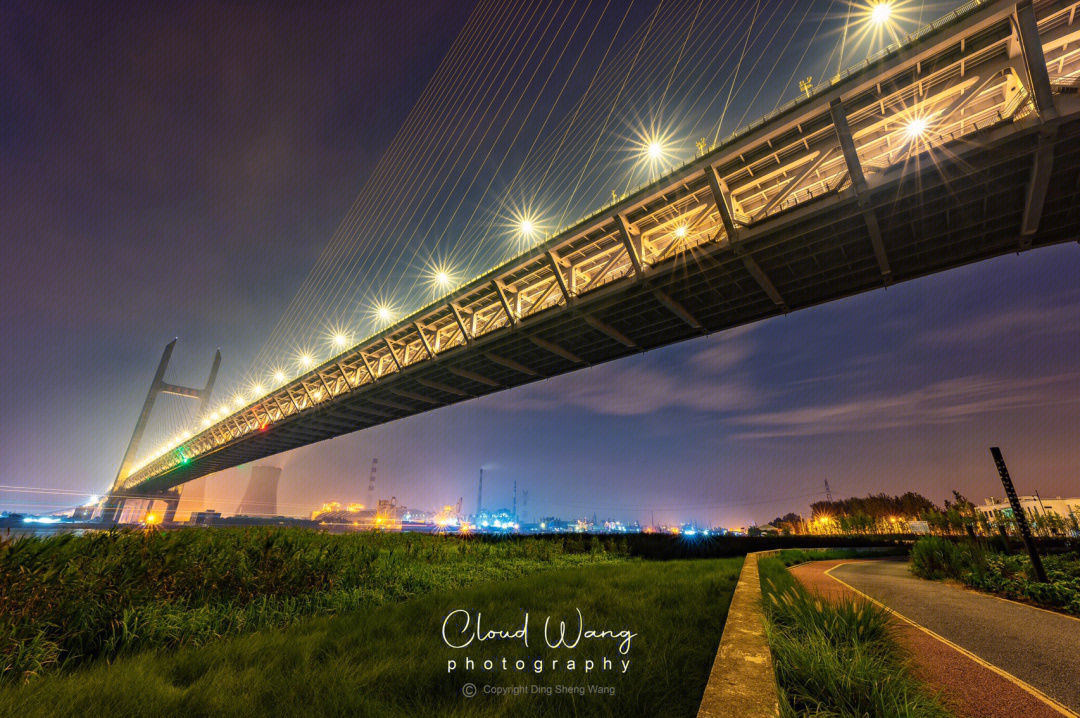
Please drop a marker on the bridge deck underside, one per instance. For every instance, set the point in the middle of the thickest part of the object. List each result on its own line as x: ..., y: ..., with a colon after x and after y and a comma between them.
x: 933, y: 216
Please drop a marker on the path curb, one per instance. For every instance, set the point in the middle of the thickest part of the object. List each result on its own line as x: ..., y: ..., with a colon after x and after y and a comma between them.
x: 742, y: 683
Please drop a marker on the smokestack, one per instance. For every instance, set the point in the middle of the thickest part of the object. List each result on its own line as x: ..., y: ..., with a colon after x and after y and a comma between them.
x: 371, y: 484
x: 480, y: 493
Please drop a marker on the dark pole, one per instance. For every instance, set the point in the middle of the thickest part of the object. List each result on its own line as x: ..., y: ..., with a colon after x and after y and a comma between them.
x: 1018, y: 514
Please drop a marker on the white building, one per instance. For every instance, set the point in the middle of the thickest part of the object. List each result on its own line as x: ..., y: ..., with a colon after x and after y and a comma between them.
x: 1039, y: 506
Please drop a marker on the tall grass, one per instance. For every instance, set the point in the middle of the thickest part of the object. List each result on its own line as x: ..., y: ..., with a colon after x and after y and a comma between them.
x: 391, y: 660
x: 66, y: 600
x: 836, y: 658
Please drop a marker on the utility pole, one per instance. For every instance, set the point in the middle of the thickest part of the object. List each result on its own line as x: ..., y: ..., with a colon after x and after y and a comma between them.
x: 1018, y: 514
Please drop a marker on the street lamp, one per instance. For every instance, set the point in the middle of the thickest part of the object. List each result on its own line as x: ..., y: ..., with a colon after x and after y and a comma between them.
x: 880, y: 13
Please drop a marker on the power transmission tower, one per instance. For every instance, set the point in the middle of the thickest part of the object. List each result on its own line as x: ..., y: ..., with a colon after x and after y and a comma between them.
x: 828, y: 492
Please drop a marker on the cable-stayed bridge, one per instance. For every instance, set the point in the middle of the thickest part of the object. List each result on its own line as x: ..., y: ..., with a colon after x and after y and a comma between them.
x: 959, y: 143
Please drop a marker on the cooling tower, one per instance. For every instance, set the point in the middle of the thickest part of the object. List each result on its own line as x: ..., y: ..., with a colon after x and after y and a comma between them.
x: 260, y: 499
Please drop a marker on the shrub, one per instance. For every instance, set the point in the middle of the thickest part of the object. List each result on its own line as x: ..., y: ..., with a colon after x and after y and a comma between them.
x: 934, y: 557
x: 1010, y: 576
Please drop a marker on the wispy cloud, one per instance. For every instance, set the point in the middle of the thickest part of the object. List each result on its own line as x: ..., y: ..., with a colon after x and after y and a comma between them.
x: 708, y: 380
x: 942, y: 402
x: 1046, y: 320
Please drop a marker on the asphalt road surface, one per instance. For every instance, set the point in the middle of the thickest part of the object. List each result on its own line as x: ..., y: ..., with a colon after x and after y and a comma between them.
x: 1038, y: 647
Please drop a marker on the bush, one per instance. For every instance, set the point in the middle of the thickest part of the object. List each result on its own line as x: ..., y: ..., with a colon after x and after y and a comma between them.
x: 1010, y: 576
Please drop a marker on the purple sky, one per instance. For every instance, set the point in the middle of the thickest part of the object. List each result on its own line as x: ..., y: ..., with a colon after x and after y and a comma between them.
x: 176, y: 172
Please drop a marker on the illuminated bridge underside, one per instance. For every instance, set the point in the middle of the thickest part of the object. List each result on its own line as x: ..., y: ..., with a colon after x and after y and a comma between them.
x: 829, y: 198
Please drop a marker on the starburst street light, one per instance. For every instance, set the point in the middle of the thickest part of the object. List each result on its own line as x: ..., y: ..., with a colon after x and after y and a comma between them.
x: 279, y: 376
x: 340, y: 340
x: 916, y: 128
x: 306, y: 360
x: 439, y: 278
x: 654, y: 147
x: 881, y: 12
x: 383, y: 313
x: 681, y: 231
x: 258, y: 389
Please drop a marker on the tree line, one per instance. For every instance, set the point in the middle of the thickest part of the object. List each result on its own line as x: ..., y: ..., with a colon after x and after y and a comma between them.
x: 883, y: 514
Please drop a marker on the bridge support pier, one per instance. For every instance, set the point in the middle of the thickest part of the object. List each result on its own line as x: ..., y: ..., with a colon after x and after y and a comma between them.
x: 111, y: 509
x: 172, y: 501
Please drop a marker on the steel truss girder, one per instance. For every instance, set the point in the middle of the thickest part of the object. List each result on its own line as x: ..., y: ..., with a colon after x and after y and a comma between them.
x: 588, y: 235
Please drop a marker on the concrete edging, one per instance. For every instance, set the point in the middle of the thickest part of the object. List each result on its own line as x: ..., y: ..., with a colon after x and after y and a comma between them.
x: 742, y: 683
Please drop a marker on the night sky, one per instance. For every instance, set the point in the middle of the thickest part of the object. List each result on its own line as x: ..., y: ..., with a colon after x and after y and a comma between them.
x: 178, y: 170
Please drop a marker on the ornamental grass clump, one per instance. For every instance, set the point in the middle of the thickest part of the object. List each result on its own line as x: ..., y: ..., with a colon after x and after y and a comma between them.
x: 837, y: 658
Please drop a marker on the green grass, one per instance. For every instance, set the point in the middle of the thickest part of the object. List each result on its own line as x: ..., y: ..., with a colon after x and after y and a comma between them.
x: 392, y: 661
x: 836, y: 659
x: 934, y: 557
x: 68, y: 600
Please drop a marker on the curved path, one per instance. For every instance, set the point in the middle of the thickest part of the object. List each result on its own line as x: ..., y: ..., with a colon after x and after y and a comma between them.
x: 960, y: 637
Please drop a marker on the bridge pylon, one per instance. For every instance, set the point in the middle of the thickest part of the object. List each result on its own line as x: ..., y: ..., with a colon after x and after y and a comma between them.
x: 115, y: 502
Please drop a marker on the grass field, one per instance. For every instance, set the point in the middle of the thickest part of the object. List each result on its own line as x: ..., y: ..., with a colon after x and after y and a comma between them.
x: 69, y: 600
x: 392, y: 660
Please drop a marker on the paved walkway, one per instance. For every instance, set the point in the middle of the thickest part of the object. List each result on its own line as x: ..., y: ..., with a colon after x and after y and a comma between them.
x: 1037, y: 647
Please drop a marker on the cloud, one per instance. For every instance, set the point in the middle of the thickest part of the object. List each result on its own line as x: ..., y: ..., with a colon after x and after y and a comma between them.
x: 1059, y: 318
x: 708, y: 380
x: 943, y: 402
